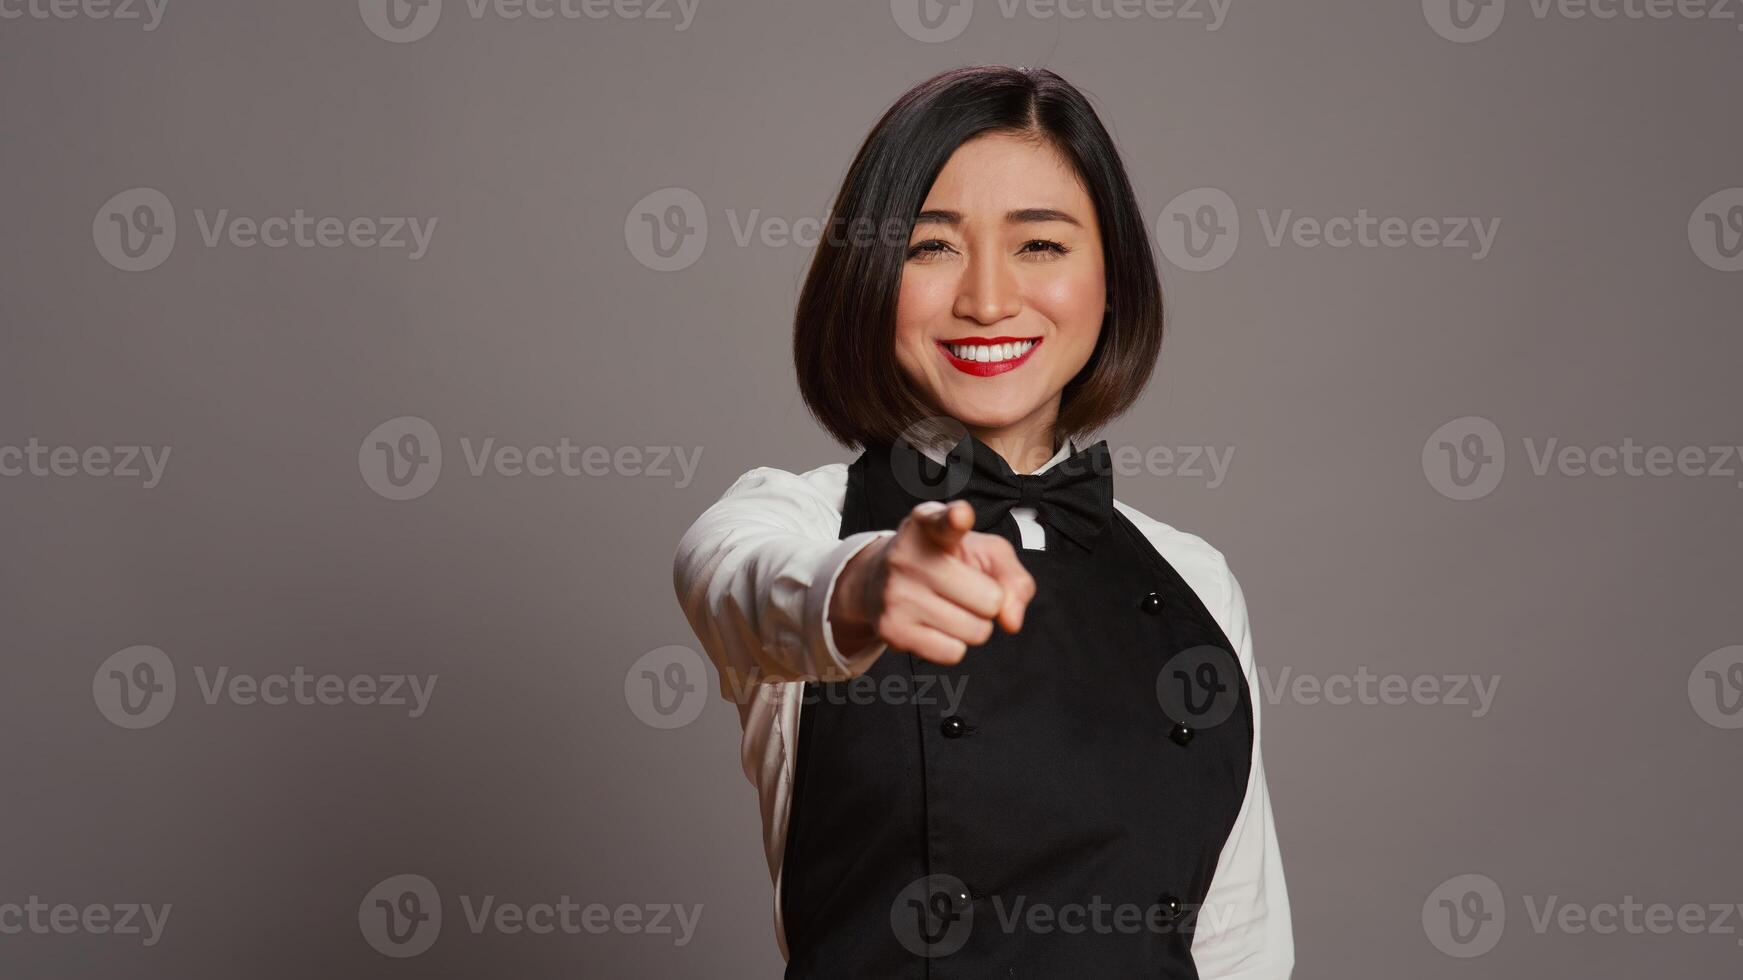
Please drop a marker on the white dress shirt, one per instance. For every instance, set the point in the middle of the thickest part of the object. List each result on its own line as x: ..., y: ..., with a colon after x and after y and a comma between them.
x: 755, y: 574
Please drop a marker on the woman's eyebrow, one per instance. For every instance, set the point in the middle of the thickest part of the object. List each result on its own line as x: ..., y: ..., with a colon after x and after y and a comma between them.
x: 1019, y: 216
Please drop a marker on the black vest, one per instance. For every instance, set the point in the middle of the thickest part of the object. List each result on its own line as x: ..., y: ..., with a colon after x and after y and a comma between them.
x: 1064, y: 820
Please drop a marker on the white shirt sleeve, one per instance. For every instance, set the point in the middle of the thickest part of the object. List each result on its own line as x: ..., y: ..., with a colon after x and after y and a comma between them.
x: 755, y: 574
x: 1243, y: 930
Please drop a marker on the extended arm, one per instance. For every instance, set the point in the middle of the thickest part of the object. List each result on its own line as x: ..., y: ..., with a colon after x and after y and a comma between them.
x: 755, y: 574
x: 1244, y: 930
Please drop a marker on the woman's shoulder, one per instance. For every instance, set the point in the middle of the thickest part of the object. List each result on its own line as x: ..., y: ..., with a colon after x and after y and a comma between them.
x: 1184, y: 544
x: 823, y: 486
x: 1197, y: 561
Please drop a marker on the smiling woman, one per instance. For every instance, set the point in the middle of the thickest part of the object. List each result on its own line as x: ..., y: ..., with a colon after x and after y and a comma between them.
x: 1007, y: 239
x: 1091, y: 800
x: 1011, y: 187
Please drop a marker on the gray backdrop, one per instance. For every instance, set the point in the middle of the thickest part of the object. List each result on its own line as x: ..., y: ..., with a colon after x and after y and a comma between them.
x: 346, y: 712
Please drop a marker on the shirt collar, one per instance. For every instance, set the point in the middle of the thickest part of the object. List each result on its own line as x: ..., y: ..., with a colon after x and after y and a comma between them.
x: 937, y: 452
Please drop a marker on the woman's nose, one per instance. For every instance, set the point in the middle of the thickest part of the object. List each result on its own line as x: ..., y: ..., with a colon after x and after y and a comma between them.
x: 988, y: 291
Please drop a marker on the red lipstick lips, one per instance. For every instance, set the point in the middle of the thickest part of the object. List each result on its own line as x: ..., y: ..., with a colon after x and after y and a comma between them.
x: 986, y: 369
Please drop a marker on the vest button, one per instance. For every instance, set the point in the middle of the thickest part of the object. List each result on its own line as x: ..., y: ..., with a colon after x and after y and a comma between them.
x: 1152, y: 603
x: 1180, y: 734
x: 959, y: 899
x: 953, y: 727
x: 1170, y: 907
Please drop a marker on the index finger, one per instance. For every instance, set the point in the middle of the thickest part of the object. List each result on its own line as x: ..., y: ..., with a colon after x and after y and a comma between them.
x: 946, y: 524
x: 1019, y: 586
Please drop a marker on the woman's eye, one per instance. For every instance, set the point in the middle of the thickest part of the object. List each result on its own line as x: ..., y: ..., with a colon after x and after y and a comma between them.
x: 927, y: 248
x: 933, y: 248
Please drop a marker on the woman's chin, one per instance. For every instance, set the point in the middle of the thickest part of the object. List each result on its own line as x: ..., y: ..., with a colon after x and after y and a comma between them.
x: 987, y: 414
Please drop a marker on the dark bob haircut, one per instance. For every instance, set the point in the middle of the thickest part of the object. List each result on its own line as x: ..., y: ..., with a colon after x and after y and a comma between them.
x: 844, y: 327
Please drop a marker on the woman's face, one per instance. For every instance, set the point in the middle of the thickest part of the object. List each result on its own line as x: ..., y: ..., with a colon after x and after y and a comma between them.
x: 1003, y: 291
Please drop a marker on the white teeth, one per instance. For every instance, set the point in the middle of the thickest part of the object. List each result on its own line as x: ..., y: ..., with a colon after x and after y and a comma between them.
x: 991, y: 353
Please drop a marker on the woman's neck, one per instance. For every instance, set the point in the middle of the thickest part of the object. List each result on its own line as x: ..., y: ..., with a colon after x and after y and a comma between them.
x: 1025, y: 445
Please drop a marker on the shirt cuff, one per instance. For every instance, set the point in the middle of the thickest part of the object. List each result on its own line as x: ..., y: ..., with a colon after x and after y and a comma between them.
x: 836, y: 665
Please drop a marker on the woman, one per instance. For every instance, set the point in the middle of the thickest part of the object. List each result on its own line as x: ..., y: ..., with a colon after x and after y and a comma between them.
x: 1001, y: 724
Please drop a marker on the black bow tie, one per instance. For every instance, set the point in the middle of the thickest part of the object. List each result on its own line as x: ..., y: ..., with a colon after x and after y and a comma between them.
x: 1074, y: 497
